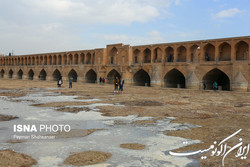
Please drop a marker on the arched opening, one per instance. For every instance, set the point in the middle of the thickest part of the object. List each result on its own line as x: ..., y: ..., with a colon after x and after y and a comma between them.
x: 45, y: 60
x: 218, y: 76
x: 82, y: 58
x: 56, y: 75
x: 76, y: 59
x: 193, y: 54
x: 54, y: 60
x: 11, y: 74
x: 29, y: 61
x: 41, y: 60
x: 112, y: 75
x: 182, y: 54
x: 18, y: 61
x: 25, y: 61
x: 147, y: 55
x: 174, y: 79
x: 37, y: 60
x: 50, y: 60
x: 225, y: 52
x: 209, y: 51
x: 242, y: 50
x: 59, y: 60
x: 22, y: 61
x: 93, y: 58
x: 141, y: 78
x: 33, y: 61
x: 169, y: 54
x: 91, y: 76
x: 113, y: 55
x: 70, y: 59
x: 136, y: 55
x: 65, y: 59
x: 2, y: 73
x: 88, y: 61
x: 157, y: 55
x: 30, y: 74
x: 20, y: 74
x: 42, y: 75
x: 73, y: 74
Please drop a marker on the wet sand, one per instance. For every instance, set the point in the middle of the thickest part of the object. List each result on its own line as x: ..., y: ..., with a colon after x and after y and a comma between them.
x: 219, y: 114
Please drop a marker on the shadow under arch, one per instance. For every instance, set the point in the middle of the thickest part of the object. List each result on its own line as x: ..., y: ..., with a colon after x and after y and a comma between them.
x: 56, y: 75
x: 42, y: 75
x: 91, y: 76
x: 11, y: 73
x: 141, y: 78
x: 112, y: 75
x: 2, y: 73
x: 20, y: 74
x: 30, y: 74
x: 174, y: 79
x: 216, y: 75
x: 73, y: 74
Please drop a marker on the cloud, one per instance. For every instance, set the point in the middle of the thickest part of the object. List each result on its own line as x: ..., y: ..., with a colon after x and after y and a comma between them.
x: 228, y: 13
x: 123, y: 12
x: 148, y: 38
x: 33, y: 26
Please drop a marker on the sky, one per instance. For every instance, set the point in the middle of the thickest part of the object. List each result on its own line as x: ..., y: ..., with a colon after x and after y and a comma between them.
x: 43, y: 26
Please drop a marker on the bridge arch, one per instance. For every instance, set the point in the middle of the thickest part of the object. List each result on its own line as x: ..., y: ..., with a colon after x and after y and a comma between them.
x: 209, y: 51
x: 88, y: 58
x: 157, y: 55
x: 216, y: 75
x: 11, y: 73
x: 136, y: 56
x: 147, y: 56
x: 42, y: 74
x: 181, y: 54
x: 225, y: 52
x: 56, y: 75
x: 30, y: 74
x: 141, y: 78
x: 20, y: 74
x: 59, y: 59
x: 242, y: 50
x: 169, y: 54
x: 82, y: 58
x: 75, y: 59
x: 2, y: 73
x: 193, y: 52
x: 91, y: 76
x: 112, y: 75
x: 73, y: 74
x: 174, y: 79
x: 113, y: 55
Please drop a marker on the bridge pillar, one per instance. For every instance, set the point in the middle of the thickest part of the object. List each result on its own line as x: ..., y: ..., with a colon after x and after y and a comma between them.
x: 192, y: 82
x: 25, y: 77
x: 240, y: 83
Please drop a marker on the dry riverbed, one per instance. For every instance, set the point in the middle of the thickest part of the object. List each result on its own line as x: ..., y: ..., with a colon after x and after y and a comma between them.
x: 219, y: 114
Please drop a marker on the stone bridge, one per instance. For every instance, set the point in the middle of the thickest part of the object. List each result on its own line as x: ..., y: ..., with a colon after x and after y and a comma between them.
x: 171, y: 65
